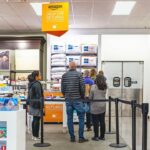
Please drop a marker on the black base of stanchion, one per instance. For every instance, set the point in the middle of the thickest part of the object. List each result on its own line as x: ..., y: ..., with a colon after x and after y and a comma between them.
x: 110, y: 132
x: 121, y: 145
x: 42, y: 145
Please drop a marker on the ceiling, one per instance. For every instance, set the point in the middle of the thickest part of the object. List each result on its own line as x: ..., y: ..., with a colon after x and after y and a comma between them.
x: 17, y: 16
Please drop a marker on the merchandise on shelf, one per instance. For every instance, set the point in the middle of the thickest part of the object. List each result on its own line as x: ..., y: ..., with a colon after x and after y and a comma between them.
x: 76, y: 59
x: 88, y: 61
x: 73, y: 49
x: 57, y: 75
x: 8, y: 104
x: 2, y: 146
x: 92, y: 49
x: 58, y: 60
x: 4, y: 89
x: 58, y: 49
x: 58, y: 69
x: 3, y: 132
x: 59, y: 63
x: 58, y: 56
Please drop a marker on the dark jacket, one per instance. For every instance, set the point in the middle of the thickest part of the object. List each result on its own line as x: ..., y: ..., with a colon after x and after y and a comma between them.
x: 72, y: 85
x: 35, y: 98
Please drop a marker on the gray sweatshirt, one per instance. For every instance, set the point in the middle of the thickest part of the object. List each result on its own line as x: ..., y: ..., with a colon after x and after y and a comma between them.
x: 95, y: 94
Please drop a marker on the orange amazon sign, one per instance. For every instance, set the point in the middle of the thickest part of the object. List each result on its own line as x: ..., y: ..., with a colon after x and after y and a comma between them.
x: 55, y: 17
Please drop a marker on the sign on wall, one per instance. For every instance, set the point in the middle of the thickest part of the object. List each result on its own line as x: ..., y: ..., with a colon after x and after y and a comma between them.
x: 55, y: 18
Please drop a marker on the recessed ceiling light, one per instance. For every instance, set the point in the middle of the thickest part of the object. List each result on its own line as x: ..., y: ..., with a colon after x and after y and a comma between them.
x: 38, y: 7
x: 123, y: 7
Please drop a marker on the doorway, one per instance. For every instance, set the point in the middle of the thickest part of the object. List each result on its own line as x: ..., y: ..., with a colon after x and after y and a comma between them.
x: 125, y: 81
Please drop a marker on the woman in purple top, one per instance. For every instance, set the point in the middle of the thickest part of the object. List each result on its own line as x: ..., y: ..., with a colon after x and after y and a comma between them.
x: 88, y: 83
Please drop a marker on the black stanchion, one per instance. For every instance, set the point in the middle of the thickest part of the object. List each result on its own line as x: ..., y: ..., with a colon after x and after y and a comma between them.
x: 117, y: 144
x: 133, y: 105
x: 109, y: 118
x: 145, y: 109
x: 42, y: 144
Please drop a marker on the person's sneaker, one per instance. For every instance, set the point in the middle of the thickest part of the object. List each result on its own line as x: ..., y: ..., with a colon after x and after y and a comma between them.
x: 83, y: 140
x: 72, y: 140
x: 89, y: 129
x: 95, y: 139
x: 101, y: 138
x: 36, y: 139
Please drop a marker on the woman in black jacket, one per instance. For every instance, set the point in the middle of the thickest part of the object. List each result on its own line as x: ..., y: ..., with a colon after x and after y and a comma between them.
x: 35, y: 100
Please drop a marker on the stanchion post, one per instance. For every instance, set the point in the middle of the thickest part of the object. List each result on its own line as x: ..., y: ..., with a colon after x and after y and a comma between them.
x: 117, y: 144
x: 42, y: 144
x: 133, y: 106
x: 145, y: 109
x: 109, y: 118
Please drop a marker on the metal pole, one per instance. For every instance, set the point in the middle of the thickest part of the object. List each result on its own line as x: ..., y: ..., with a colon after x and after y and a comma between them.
x: 42, y: 144
x: 133, y: 106
x: 117, y: 144
x: 109, y: 118
x: 145, y: 109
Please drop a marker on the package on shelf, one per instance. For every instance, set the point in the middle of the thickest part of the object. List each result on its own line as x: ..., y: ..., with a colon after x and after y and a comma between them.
x: 76, y: 59
x: 4, y: 89
x: 88, y: 61
x: 58, y: 69
x: 58, y: 60
x: 92, y: 49
x: 57, y: 75
x: 73, y: 49
x: 59, y: 63
x: 58, y: 48
x: 8, y: 104
x: 58, y: 56
x: 3, y: 145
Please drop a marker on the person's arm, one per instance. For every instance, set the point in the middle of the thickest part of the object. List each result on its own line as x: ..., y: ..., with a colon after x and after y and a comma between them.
x: 62, y: 86
x: 82, y: 86
x: 91, y: 97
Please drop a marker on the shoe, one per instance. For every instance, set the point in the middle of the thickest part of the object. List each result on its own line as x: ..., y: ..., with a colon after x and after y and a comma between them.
x: 95, y: 139
x: 36, y: 139
x: 83, y: 140
x: 102, y: 138
x: 89, y: 129
x: 72, y: 140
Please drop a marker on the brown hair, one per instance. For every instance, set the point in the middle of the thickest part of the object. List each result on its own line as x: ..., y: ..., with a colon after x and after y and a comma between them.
x: 101, y: 82
x: 93, y: 72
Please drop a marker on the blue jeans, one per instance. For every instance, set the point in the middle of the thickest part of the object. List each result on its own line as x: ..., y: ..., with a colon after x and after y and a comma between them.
x: 72, y: 105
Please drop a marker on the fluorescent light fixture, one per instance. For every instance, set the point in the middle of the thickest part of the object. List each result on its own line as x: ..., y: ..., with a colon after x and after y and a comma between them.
x: 38, y: 7
x: 123, y: 7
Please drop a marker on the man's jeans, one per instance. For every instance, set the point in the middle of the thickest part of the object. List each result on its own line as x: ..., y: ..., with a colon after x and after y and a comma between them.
x: 72, y: 105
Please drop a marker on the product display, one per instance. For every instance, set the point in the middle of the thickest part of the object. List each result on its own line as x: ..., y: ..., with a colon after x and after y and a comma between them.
x: 58, y: 49
x: 73, y: 49
x: 8, y: 104
x: 92, y: 49
x: 88, y: 61
x: 76, y: 59
x: 58, y: 56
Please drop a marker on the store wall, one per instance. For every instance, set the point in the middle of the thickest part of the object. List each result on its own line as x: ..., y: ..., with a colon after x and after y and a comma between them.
x: 128, y: 48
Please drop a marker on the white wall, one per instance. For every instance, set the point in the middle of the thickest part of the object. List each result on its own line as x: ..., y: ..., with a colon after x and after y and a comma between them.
x: 129, y: 48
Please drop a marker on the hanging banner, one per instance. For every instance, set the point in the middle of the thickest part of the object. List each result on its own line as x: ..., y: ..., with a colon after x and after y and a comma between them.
x: 55, y: 18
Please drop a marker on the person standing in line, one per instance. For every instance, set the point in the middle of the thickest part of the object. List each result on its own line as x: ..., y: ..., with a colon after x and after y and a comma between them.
x: 72, y: 87
x: 98, y: 109
x: 36, y: 98
x: 93, y: 74
x: 88, y: 83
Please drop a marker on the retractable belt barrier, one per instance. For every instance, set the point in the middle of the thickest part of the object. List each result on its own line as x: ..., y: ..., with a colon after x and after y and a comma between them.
x: 144, y: 109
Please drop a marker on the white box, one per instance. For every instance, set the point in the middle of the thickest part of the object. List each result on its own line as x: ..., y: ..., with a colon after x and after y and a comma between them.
x: 91, y: 49
x: 76, y: 59
x: 73, y: 49
x: 16, y: 129
x: 58, y: 49
x: 88, y: 61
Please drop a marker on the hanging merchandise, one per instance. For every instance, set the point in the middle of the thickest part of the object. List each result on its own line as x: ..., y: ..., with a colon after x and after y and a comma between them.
x: 55, y: 17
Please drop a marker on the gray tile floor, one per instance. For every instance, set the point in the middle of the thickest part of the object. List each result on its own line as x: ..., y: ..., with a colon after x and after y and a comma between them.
x: 60, y: 141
